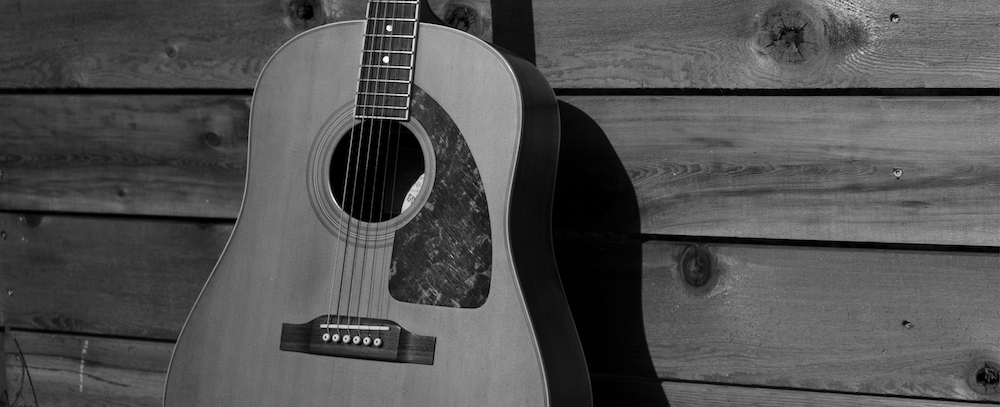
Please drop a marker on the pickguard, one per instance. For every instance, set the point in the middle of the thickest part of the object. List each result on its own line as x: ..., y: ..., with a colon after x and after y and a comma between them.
x: 444, y: 255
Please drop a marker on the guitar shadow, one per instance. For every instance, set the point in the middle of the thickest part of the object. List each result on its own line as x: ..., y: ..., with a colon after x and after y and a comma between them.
x: 595, y: 205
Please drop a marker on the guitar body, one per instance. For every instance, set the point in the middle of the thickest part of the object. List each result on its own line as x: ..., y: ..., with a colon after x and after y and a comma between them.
x: 467, y: 264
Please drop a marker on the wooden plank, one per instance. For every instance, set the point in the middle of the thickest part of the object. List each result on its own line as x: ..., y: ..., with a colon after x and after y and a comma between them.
x: 171, y: 44
x: 768, y: 44
x: 151, y: 155
x: 82, y: 371
x: 112, y: 276
x: 778, y: 316
x: 758, y: 167
x: 810, y: 168
x: 907, y: 323
x: 616, y: 390
x: 77, y: 370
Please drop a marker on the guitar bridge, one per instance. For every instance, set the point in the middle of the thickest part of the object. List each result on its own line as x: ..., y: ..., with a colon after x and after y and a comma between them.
x: 359, y: 338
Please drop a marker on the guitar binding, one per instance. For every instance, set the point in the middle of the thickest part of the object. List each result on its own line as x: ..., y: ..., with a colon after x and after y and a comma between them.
x: 387, y: 341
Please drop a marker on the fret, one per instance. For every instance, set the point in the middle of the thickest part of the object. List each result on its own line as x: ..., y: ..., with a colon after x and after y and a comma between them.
x: 390, y: 26
x: 380, y: 73
x: 385, y: 66
x: 402, y: 10
x: 381, y: 113
x: 377, y: 44
x: 376, y: 93
x: 392, y: 102
x: 387, y: 60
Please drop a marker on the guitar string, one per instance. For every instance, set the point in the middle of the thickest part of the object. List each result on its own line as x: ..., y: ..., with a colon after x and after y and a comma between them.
x: 365, y: 108
x: 392, y: 190
x: 409, y: 91
x: 373, y: 138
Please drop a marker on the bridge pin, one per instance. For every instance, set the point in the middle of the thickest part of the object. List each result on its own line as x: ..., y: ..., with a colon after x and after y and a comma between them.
x: 326, y: 337
x: 335, y: 338
x: 377, y: 342
x: 356, y: 340
x: 347, y: 339
x: 367, y: 341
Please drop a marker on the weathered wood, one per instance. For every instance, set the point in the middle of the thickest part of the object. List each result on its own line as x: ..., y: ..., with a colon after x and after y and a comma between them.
x: 171, y: 44
x: 76, y: 370
x: 760, y: 167
x: 616, y: 390
x: 913, y: 323
x: 112, y: 276
x: 796, y: 317
x: 768, y: 44
x: 588, y: 44
x: 150, y: 155
x: 131, y: 373
x: 893, y: 170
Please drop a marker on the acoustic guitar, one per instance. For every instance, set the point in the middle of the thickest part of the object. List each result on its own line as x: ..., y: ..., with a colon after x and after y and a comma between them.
x: 394, y: 246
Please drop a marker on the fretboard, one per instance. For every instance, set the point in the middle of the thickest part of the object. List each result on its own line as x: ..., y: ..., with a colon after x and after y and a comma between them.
x: 386, y: 74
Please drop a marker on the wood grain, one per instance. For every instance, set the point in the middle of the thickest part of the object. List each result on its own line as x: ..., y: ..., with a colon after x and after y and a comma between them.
x: 811, y: 168
x: 113, y: 276
x: 150, y: 155
x: 724, y: 44
x: 912, y: 323
x: 637, y: 392
x: 79, y: 370
x: 788, y: 317
x: 170, y: 44
x: 123, y: 372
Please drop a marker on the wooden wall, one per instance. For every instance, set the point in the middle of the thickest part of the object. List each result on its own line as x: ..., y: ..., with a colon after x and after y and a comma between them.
x: 773, y: 202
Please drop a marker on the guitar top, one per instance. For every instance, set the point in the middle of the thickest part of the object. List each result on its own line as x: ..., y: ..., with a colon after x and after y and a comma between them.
x: 394, y: 243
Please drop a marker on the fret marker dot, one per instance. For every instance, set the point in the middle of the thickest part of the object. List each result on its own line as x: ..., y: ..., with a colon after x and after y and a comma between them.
x: 385, y: 59
x: 388, y: 27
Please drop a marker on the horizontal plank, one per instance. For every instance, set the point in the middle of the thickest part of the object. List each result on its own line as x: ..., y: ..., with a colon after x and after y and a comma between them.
x: 768, y: 44
x: 634, y: 44
x: 616, y: 390
x: 909, y: 323
x: 77, y: 370
x: 152, y: 155
x: 110, y: 276
x: 805, y: 168
x: 893, y: 170
x: 788, y: 317
x: 171, y: 44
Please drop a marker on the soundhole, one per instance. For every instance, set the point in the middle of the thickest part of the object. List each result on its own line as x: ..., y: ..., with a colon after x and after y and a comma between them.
x: 376, y: 170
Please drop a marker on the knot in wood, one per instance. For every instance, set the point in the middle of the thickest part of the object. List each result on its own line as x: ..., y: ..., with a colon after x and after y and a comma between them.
x: 302, y: 10
x: 790, y: 35
x: 465, y: 18
x: 696, y: 265
x: 983, y: 375
x: 212, y: 139
x: 988, y: 376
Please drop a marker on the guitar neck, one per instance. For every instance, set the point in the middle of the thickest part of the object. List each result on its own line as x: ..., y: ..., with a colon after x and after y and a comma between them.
x: 385, y: 78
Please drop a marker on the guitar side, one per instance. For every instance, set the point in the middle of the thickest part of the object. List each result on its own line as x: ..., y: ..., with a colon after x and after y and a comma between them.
x: 518, y: 348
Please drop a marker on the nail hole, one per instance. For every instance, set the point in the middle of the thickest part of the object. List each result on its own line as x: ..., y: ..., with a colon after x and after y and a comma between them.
x: 907, y: 324
x: 120, y: 193
x: 897, y: 172
x: 988, y: 376
x: 171, y: 52
x: 894, y: 18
